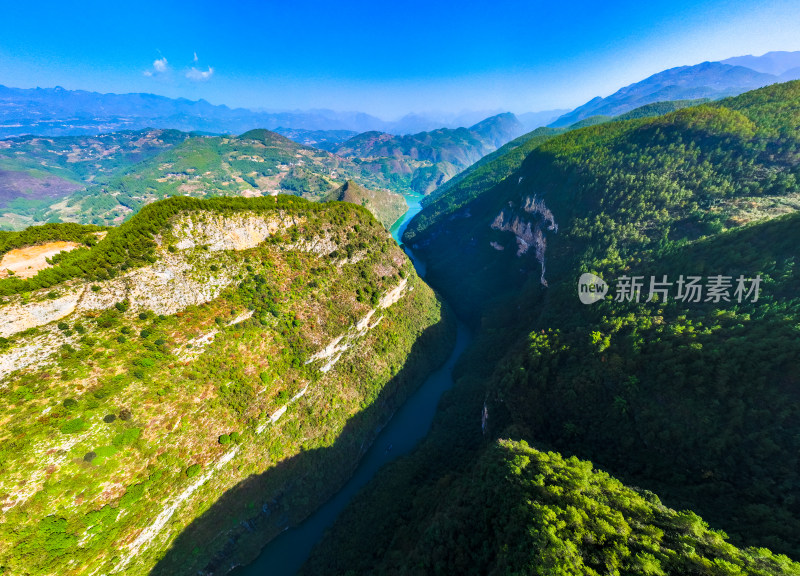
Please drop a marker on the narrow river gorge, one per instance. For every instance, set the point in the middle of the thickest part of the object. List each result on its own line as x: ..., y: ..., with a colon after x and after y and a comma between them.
x: 284, y: 555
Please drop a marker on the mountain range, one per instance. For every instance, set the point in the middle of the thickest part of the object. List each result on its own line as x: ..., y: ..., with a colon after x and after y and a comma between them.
x: 60, y: 112
x: 711, y: 80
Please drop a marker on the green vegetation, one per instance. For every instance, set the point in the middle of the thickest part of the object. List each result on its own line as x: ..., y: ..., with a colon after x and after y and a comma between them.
x: 40, y: 173
x: 484, y: 174
x: 525, y: 511
x: 696, y: 402
x: 127, y: 413
x: 480, y: 177
x: 131, y: 244
x: 49, y: 233
x: 387, y: 207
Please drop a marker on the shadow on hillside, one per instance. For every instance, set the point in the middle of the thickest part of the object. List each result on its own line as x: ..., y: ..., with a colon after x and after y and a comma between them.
x: 235, y: 528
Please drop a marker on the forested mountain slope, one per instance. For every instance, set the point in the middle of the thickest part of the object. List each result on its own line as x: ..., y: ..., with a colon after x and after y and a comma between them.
x: 520, y: 510
x: 615, y: 190
x: 695, y: 399
x: 425, y: 161
x: 213, y: 368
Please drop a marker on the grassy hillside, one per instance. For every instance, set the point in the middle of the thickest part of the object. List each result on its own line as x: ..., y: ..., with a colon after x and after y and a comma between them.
x: 36, y: 173
x: 695, y: 401
x: 231, y: 351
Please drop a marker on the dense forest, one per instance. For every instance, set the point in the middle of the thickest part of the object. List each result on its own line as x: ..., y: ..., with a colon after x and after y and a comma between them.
x: 695, y: 401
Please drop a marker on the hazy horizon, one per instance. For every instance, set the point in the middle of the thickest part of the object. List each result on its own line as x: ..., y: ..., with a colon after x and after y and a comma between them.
x: 443, y: 60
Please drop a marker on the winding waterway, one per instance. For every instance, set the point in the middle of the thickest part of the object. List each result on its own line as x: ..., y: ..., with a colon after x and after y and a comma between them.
x: 284, y: 555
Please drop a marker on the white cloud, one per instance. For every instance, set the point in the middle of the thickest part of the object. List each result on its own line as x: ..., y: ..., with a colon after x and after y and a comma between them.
x: 195, y: 57
x: 199, y: 75
x: 160, y: 66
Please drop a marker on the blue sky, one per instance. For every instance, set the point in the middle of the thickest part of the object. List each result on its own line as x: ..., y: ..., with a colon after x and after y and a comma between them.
x: 381, y: 58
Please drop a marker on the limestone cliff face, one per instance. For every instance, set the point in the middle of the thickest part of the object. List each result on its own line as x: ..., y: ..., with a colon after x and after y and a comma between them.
x: 223, y: 232
x: 529, y: 227
x: 175, y: 282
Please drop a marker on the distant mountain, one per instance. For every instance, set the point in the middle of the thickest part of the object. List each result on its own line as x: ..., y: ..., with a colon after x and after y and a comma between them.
x: 60, y: 112
x: 712, y: 80
x: 426, y: 160
x: 322, y: 139
x: 792, y: 74
x: 257, y: 163
x: 776, y: 63
x: 534, y: 120
x: 104, y: 179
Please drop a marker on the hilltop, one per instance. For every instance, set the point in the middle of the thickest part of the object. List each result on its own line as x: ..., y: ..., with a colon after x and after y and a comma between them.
x: 386, y: 206
x: 102, y: 180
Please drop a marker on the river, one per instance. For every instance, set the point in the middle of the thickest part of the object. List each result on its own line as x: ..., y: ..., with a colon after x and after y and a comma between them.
x: 284, y: 555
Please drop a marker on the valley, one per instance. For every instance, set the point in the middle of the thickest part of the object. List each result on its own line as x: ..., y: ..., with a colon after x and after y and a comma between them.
x: 308, y: 342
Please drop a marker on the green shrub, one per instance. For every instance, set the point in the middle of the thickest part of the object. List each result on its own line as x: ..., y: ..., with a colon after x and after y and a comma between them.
x: 109, y: 418
x: 104, y: 452
x: 74, y: 425
x: 224, y: 439
x: 70, y: 403
x: 127, y: 437
x: 121, y: 339
x: 89, y: 456
x: 193, y: 471
x: 63, y: 326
